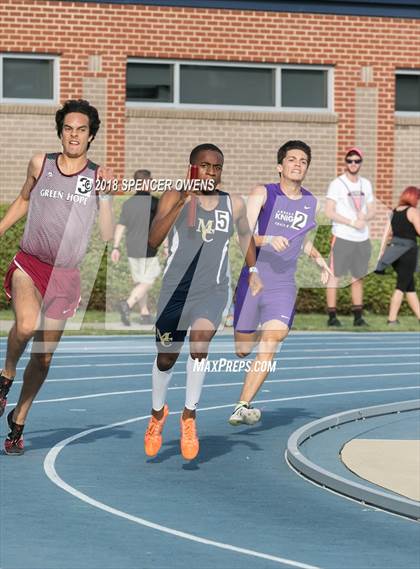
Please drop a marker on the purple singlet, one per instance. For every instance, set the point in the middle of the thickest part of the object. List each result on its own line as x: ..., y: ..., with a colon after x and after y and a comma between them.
x: 280, y: 216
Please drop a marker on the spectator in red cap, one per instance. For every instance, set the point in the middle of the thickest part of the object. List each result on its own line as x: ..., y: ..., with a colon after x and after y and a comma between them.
x: 350, y: 205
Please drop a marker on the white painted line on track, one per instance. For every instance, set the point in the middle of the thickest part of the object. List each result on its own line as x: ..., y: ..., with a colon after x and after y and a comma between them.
x: 286, y: 358
x: 331, y: 491
x: 293, y: 334
x: 291, y: 380
x: 346, y: 349
x: 117, y: 351
x: 239, y: 383
x: 148, y: 343
x: 223, y: 339
x: 102, y: 377
x: 283, y: 368
x: 50, y: 470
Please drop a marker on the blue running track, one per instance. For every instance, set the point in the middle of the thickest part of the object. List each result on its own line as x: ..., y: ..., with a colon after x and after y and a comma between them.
x: 84, y: 495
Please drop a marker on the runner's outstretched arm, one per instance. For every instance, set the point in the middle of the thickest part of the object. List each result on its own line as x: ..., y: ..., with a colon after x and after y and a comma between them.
x: 313, y: 253
x: 254, y: 205
x: 106, y: 218
x: 19, y: 207
x: 246, y: 241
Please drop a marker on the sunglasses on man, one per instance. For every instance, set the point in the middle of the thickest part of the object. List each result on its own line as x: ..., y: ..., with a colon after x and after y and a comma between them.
x: 353, y: 160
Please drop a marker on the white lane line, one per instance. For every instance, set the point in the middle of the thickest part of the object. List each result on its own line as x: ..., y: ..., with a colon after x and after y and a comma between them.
x: 279, y: 361
x: 112, y: 351
x: 293, y: 334
x: 102, y: 377
x: 211, y: 356
x: 135, y: 354
x: 214, y: 385
x: 137, y: 375
x: 139, y: 344
x: 51, y: 472
x: 331, y: 491
x: 224, y: 338
x: 349, y: 349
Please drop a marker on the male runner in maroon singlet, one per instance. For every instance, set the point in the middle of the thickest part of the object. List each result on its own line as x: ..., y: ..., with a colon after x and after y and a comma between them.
x: 43, y: 280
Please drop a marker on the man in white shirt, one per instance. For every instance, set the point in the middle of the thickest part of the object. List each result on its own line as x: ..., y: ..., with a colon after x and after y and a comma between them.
x: 350, y: 204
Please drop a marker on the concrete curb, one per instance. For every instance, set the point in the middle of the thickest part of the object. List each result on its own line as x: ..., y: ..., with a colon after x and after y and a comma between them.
x: 365, y: 494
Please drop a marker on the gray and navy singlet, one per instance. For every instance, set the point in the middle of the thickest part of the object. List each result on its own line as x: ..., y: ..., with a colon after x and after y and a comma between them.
x: 196, y: 282
x: 62, y: 210
x: 199, y: 257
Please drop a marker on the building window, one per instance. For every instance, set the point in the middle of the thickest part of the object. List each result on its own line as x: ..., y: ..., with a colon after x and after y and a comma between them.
x: 193, y: 84
x: 28, y: 78
x: 304, y: 88
x: 407, y: 92
x: 149, y: 82
x: 217, y: 85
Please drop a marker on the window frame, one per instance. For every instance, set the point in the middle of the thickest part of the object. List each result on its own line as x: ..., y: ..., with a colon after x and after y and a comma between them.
x: 38, y: 56
x: 405, y: 113
x: 176, y: 104
x: 330, y: 88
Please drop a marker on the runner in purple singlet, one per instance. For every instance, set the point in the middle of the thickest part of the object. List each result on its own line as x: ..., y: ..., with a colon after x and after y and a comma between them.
x: 43, y: 280
x: 283, y: 214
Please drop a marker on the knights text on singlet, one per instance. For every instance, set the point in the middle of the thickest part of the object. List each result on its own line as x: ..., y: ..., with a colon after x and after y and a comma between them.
x: 285, y: 217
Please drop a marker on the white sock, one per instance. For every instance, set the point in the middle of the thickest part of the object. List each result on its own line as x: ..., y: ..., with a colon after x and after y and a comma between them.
x: 195, y: 380
x: 160, y: 382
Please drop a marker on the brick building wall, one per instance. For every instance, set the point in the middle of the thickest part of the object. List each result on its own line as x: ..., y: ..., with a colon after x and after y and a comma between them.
x: 250, y: 145
x: 407, y: 154
x: 94, y: 41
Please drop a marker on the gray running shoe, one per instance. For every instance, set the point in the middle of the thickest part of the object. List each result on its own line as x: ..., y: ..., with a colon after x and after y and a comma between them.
x: 244, y: 415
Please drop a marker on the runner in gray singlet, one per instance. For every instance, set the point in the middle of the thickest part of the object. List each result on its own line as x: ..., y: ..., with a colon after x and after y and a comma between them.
x: 43, y: 279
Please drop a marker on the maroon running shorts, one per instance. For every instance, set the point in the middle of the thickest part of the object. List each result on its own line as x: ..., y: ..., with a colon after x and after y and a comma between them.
x: 59, y: 287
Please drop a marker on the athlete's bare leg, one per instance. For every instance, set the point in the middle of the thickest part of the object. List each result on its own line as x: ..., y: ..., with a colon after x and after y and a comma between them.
x: 137, y: 294
x: 245, y: 342
x: 27, y: 308
x: 143, y: 306
x: 332, y: 286
x: 273, y: 332
x: 413, y: 303
x: 357, y: 291
x: 44, y: 346
x: 395, y: 304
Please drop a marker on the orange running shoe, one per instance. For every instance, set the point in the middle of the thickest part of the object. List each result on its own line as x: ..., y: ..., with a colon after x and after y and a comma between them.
x: 153, y: 434
x: 190, y: 444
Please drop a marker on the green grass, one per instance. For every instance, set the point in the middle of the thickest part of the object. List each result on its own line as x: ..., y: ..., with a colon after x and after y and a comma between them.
x: 93, y: 323
x: 377, y: 323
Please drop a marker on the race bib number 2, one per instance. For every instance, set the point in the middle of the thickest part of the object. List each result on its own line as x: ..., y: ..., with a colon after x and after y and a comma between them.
x: 299, y: 220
